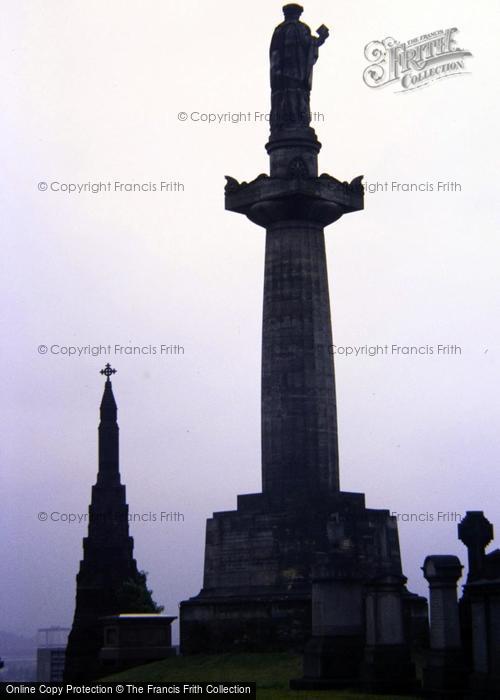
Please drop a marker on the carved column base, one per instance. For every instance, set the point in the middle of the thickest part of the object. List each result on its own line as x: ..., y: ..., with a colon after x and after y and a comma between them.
x: 445, y: 675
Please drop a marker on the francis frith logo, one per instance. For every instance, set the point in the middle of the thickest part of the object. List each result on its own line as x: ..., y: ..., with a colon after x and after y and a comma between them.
x: 415, y: 63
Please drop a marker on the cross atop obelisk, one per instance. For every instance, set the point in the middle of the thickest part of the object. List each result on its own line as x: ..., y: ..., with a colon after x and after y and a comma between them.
x: 108, y: 371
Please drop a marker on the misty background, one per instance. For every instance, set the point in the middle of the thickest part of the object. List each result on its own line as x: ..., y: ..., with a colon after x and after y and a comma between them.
x: 92, y: 92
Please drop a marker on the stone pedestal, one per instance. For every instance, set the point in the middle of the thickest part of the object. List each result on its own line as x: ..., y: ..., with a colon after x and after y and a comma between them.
x: 484, y: 599
x: 481, y: 606
x: 386, y: 665
x: 259, y: 568
x: 333, y: 655
x: 133, y: 640
x: 330, y: 662
x: 444, y: 671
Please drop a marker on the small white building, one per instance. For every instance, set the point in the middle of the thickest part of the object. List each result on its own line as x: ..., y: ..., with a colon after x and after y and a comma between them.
x: 51, y: 653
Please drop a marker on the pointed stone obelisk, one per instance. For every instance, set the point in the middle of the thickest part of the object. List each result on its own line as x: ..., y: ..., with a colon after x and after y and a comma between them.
x: 108, y: 582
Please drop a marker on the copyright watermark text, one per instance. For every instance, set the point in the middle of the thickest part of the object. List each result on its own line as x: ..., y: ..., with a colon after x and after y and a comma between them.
x: 394, y: 349
x: 103, y: 187
x: 436, y: 186
x: 219, y: 118
x: 68, y: 518
x: 426, y: 517
x: 109, y: 349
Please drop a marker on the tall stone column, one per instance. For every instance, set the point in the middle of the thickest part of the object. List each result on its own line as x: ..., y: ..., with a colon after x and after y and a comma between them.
x: 299, y: 422
x: 258, y: 559
x: 294, y: 205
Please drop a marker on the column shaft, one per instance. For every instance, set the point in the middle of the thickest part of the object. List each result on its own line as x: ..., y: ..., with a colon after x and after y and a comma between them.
x: 299, y: 423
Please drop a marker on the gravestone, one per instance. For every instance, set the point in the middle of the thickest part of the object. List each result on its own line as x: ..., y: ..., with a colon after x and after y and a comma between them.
x: 481, y: 605
x: 387, y: 666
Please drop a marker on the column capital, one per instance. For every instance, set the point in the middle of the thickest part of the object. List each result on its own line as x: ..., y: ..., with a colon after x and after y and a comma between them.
x: 442, y: 570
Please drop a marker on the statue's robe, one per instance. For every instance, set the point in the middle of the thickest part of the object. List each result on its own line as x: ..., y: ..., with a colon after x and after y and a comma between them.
x: 293, y: 53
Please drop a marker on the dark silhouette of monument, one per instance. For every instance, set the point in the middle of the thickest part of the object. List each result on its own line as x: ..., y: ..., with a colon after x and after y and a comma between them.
x: 293, y: 53
x: 108, y: 582
x: 262, y: 559
x: 463, y: 661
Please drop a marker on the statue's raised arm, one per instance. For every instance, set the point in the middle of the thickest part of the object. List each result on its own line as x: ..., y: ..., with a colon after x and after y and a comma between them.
x: 293, y: 53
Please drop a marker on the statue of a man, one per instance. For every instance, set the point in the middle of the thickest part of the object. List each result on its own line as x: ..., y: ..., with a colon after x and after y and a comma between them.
x: 293, y: 53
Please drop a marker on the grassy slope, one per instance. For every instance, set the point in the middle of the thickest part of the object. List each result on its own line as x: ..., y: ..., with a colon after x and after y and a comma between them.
x: 271, y: 672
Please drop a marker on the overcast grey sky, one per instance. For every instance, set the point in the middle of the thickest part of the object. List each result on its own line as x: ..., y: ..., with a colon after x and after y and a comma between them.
x: 91, y: 92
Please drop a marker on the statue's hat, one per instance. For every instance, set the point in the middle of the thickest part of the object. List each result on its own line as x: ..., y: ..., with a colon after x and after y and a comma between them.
x: 292, y: 10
